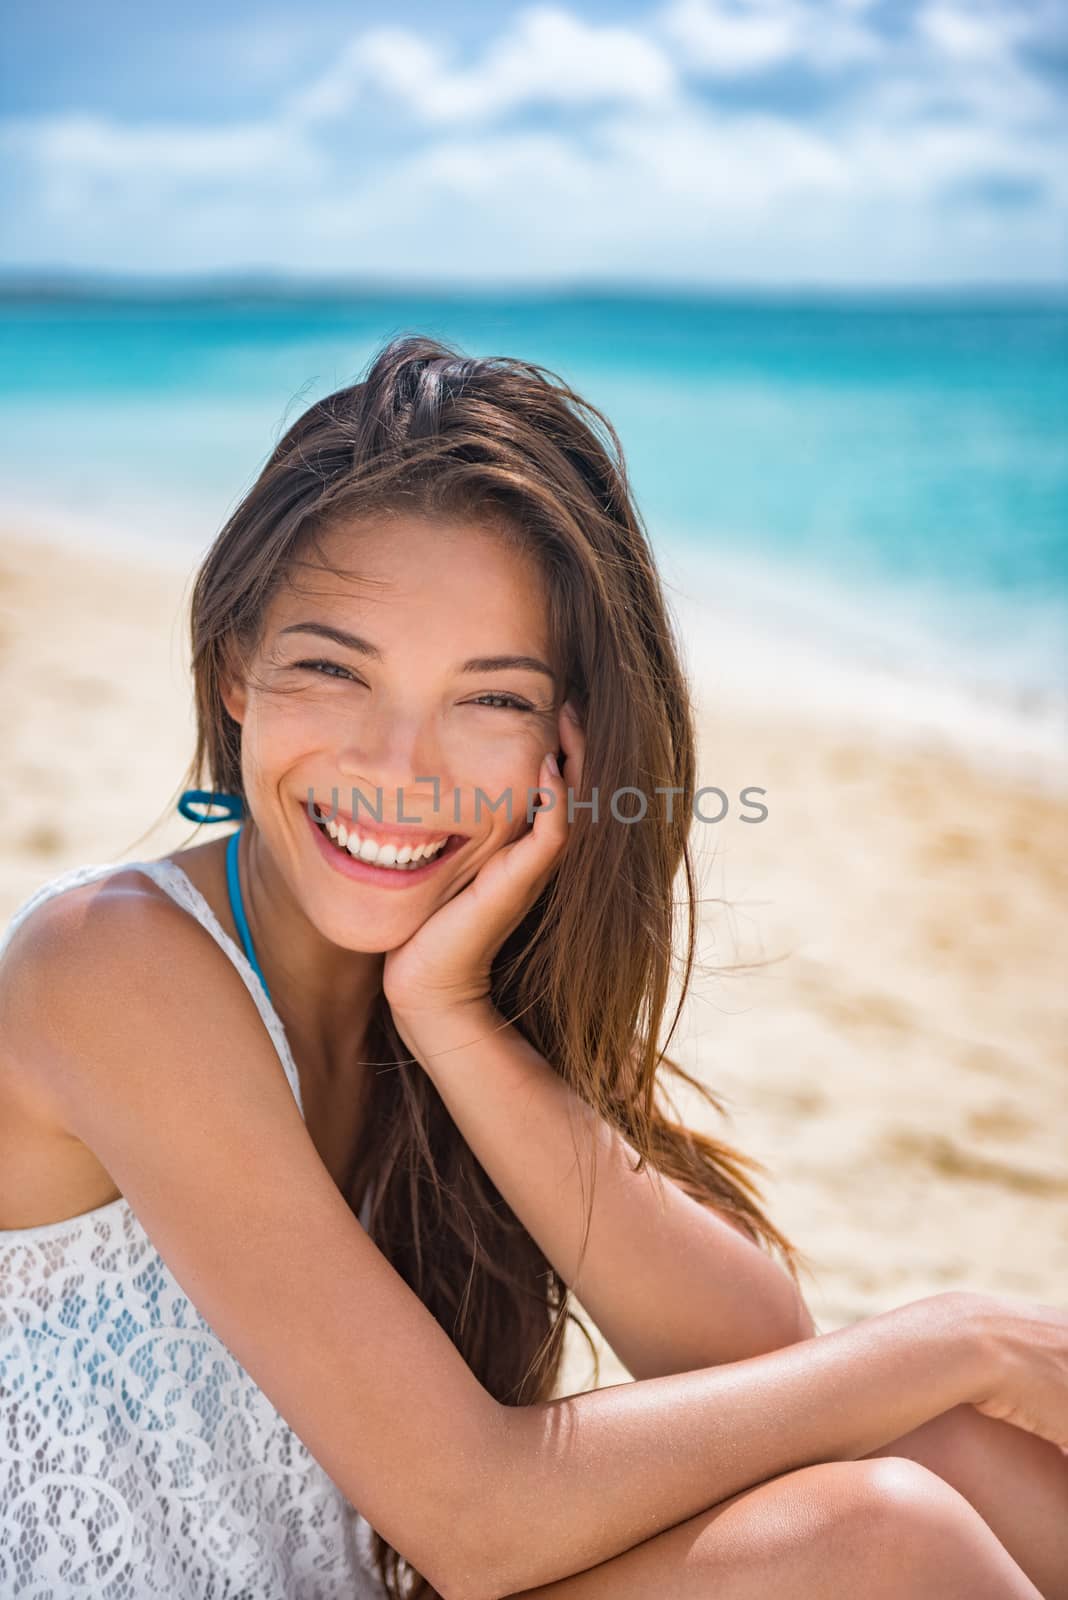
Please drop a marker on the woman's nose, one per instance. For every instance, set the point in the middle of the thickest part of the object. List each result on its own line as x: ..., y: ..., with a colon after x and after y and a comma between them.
x: 390, y: 752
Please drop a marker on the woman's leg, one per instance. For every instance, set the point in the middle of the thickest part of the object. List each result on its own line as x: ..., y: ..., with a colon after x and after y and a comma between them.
x: 1016, y: 1481
x: 886, y: 1528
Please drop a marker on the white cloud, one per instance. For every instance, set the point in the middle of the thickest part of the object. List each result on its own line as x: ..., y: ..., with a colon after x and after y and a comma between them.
x: 736, y: 38
x: 489, y: 169
x: 973, y: 34
x: 645, y: 169
x: 392, y: 60
x: 726, y: 167
x: 97, y: 147
x: 549, y: 57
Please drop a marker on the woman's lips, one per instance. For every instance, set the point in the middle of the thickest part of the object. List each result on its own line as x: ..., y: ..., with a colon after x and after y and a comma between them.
x: 350, y: 866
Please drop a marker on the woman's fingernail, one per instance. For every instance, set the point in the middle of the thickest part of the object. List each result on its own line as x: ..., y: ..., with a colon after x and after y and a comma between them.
x: 550, y: 762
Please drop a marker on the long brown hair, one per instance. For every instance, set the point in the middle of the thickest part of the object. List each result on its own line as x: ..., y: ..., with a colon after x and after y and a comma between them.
x: 586, y: 977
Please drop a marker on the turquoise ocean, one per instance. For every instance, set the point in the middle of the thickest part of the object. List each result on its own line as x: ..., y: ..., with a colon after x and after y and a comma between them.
x: 866, y: 496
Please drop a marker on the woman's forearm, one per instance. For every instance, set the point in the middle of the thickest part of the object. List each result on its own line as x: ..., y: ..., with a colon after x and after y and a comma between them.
x: 671, y: 1285
x: 572, y: 1482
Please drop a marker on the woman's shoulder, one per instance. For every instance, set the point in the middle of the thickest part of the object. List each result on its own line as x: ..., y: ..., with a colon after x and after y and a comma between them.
x: 91, y: 915
x: 72, y: 954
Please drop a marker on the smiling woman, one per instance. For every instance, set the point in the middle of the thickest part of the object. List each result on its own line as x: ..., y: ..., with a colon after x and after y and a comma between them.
x: 377, y: 1084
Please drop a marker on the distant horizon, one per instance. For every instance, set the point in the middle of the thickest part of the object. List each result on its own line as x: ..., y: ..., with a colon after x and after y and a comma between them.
x: 54, y: 283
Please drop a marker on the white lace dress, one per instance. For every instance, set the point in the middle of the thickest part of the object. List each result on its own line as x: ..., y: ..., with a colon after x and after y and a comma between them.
x: 137, y: 1456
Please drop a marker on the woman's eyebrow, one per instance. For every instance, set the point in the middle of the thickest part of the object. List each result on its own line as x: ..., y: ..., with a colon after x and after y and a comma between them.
x: 363, y: 647
x: 348, y: 641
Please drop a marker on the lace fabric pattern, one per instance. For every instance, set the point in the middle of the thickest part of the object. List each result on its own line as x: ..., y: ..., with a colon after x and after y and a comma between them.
x: 137, y: 1456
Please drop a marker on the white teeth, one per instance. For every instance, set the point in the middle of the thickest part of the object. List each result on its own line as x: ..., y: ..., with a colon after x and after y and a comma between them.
x: 385, y: 855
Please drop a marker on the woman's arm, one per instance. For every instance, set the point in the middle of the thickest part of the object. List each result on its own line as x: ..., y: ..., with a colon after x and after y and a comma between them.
x: 671, y: 1284
x: 639, y: 1448
x: 151, y: 1052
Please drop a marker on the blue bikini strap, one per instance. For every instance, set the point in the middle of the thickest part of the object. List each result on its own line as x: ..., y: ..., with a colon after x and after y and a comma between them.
x: 233, y: 810
x: 237, y: 907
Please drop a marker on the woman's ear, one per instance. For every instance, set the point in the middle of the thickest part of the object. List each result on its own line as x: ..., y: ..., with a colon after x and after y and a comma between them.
x: 234, y: 696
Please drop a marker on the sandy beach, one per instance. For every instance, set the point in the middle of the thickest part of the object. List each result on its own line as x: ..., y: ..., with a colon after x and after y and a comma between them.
x: 899, y: 1062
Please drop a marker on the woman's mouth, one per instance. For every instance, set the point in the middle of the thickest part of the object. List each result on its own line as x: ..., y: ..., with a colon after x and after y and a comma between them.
x: 370, y: 860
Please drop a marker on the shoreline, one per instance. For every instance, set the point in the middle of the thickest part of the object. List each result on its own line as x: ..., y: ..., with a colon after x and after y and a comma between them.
x: 878, y: 997
x: 802, y: 644
x: 756, y: 640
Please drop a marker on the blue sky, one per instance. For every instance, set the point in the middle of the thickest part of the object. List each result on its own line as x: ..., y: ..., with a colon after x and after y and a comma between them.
x: 760, y: 142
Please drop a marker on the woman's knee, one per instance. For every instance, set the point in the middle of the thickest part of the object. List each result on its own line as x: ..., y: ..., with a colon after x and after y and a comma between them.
x: 891, y: 1508
x: 886, y: 1526
x: 844, y: 1516
x: 899, y: 1495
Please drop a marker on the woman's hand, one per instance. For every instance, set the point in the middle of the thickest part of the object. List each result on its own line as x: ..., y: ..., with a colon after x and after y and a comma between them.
x: 1026, y: 1346
x: 445, y: 965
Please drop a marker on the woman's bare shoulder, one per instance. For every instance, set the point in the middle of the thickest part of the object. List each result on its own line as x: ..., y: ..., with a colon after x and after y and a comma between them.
x: 97, y: 925
x: 71, y: 959
x: 75, y: 955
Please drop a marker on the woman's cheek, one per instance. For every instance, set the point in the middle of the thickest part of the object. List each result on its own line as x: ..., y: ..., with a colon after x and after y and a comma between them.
x: 303, y: 724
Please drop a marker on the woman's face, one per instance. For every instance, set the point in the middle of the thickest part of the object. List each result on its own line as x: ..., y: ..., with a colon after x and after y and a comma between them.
x: 380, y: 680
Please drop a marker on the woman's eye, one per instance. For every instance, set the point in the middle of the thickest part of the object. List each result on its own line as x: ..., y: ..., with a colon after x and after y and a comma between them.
x: 331, y: 669
x: 508, y: 702
x: 328, y: 669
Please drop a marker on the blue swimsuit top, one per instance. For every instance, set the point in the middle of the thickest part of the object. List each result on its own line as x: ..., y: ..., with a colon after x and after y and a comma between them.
x: 234, y: 810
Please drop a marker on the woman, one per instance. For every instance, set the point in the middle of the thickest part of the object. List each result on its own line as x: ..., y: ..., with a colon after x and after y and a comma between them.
x: 428, y: 640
